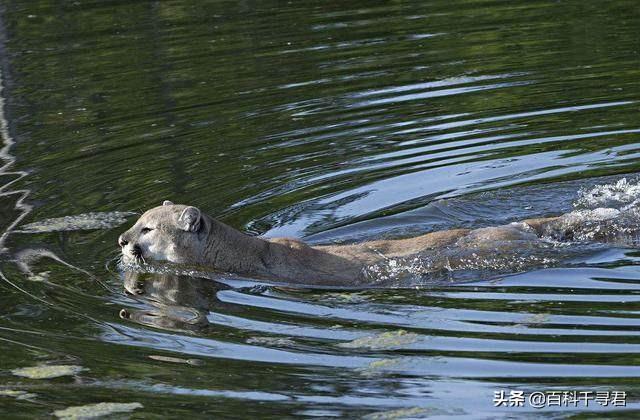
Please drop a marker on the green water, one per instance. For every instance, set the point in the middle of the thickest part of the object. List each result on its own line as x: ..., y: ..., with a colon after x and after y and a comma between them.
x: 332, y: 121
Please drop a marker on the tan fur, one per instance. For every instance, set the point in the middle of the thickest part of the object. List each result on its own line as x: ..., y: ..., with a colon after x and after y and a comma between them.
x: 371, y: 252
x: 183, y: 235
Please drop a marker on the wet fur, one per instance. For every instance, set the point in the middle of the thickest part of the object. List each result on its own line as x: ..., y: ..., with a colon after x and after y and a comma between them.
x: 198, y: 240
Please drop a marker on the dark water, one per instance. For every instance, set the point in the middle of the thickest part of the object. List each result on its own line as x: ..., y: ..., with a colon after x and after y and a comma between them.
x: 334, y: 121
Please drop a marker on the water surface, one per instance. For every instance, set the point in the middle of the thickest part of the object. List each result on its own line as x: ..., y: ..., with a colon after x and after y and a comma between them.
x: 330, y: 121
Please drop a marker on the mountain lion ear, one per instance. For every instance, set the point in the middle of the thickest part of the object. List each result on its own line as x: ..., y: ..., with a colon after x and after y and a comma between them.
x: 189, y: 220
x: 167, y: 203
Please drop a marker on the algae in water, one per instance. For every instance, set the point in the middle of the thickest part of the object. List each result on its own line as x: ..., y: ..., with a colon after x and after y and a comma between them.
x: 92, y: 411
x: 386, y: 340
x: 47, y: 371
x: 86, y: 221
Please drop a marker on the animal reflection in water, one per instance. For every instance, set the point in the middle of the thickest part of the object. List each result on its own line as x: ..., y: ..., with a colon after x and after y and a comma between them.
x: 179, y: 303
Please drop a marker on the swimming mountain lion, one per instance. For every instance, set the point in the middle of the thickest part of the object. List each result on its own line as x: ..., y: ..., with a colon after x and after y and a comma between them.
x: 184, y: 235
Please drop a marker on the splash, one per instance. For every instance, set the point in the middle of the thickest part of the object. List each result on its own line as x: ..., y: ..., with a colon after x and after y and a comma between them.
x: 603, y: 214
x: 607, y: 213
x: 461, y: 264
x: 621, y: 195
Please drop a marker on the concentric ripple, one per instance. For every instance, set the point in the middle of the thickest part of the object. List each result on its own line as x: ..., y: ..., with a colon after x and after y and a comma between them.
x: 335, y: 122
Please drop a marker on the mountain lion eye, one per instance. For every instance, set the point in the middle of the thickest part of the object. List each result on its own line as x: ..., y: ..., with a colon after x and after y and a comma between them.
x: 145, y: 230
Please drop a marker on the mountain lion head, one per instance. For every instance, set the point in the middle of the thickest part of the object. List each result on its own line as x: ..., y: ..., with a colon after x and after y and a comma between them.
x: 171, y: 232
